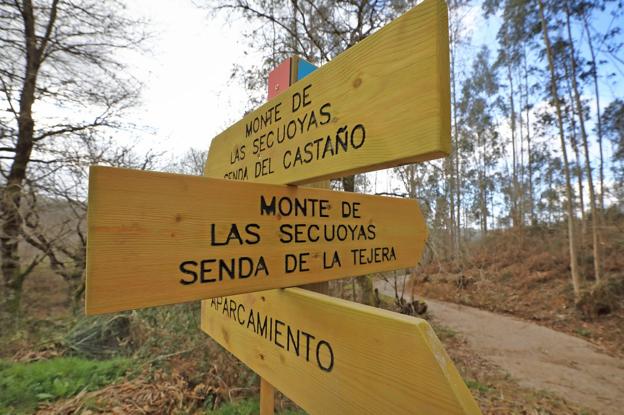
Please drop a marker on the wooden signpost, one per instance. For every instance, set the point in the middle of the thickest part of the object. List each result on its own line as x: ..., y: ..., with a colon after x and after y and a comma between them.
x: 332, y: 356
x: 158, y: 238
x: 382, y: 103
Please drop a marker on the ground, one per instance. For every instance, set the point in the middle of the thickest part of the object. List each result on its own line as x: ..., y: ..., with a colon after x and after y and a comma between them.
x: 526, y: 274
x: 171, y: 364
x: 536, y: 357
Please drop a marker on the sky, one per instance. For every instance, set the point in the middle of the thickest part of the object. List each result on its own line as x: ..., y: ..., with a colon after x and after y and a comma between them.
x: 188, y: 95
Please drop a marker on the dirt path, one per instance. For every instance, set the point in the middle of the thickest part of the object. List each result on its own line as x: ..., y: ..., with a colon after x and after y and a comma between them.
x: 536, y: 356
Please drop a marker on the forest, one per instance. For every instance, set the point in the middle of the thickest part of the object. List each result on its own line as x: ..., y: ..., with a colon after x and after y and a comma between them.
x: 525, y: 216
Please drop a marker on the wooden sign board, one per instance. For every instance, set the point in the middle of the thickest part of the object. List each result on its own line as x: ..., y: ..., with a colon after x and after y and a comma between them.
x: 159, y: 238
x: 382, y: 103
x: 332, y: 356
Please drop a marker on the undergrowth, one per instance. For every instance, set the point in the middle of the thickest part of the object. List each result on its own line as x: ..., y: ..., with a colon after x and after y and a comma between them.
x: 247, y: 407
x: 23, y: 386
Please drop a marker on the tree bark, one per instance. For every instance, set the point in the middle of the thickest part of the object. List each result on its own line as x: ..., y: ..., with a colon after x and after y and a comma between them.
x: 588, y: 170
x: 576, y: 279
x: 578, y: 167
x: 13, y: 278
x: 598, y: 115
x: 363, y: 282
x: 529, y: 148
x: 515, y: 220
x: 457, y: 179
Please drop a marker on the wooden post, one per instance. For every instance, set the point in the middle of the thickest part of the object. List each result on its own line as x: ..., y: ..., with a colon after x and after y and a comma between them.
x: 267, y: 398
x: 277, y: 78
x: 280, y: 78
x: 319, y: 287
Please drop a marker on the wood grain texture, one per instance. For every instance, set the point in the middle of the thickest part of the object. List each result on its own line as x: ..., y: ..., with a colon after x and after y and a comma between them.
x: 394, y: 84
x: 267, y: 398
x: 143, y: 226
x: 379, y: 362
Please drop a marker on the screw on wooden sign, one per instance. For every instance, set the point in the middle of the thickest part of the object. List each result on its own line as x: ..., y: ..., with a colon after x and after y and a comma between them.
x: 382, y: 103
x: 332, y: 356
x: 160, y: 238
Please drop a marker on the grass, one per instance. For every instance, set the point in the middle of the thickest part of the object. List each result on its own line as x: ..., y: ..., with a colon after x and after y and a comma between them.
x: 476, y: 385
x: 246, y: 407
x: 24, y: 385
x: 444, y: 332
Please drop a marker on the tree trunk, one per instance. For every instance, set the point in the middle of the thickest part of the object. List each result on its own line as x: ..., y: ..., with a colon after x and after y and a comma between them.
x: 578, y: 167
x: 588, y: 170
x: 13, y: 278
x: 449, y: 193
x: 598, y: 115
x: 576, y: 279
x: 363, y: 282
x: 514, y: 185
x: 529, y: 148
x: 482, y: 187
x: 457, y: 180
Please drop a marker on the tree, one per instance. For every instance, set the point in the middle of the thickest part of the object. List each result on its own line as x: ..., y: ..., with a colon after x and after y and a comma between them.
x: 580, y: 112
x: 315, y: 30
x: 613, y: 121
x: 554, y: 95
x: 458, y: 9
x: 476, y: 107
x: 613, y: 125
x: 191, y: 162
x: 55, y: 209
x: 61, y: 58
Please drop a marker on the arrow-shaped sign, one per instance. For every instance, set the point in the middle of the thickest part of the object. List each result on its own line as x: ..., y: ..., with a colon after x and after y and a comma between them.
x: 160, y: 238
x: 332, y: 356
x: 381, y: 103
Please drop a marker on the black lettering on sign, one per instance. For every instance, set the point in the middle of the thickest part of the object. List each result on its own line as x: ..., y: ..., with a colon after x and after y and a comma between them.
x: 301, y: 99
x: 328, y: 366
x: 333, y: 262
x: 287, y: 206
x: 270, y: 116
x: 239, y: 174
x: 232, y: 312
x: 238, y: 154
x: 377, y: 255
x: 185, y: 268
x: 308, y: 336
x: 302, y: 232
x: 240, y: 308
x: 205, y: 271
x: 290, y: 338
x: 261, y: 326
x: 325, y: 114
x: 251, y: 321
x: 263, y: 168
x: 350, y: 210
x: 251, y: 236
x: 318, y: 352
x: 297, y: 263
x: 278, y: 333
x: 344, y: 141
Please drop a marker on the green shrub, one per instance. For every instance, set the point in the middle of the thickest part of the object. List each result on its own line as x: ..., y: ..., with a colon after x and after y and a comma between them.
x: 24, y: 385
x: 247, y: 407
x: 100, y: 337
